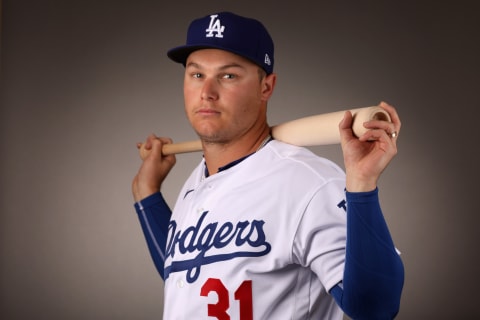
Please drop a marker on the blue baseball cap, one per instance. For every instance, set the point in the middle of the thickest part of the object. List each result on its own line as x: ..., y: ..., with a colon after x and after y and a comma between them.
x: 243, y: 36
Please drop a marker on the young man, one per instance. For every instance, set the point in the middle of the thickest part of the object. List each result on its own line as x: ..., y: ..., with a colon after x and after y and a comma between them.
x: 263, y: 229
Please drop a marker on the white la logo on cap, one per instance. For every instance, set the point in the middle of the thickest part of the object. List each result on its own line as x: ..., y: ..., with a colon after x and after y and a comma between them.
x: 215, y: 26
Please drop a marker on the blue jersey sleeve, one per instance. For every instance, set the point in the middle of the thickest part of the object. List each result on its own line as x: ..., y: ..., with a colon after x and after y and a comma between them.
x: 374, y: 273
x: 154, y: 215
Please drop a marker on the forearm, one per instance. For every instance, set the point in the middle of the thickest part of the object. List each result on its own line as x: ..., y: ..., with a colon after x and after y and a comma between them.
x: 154, y: 215
x: 374, y: 274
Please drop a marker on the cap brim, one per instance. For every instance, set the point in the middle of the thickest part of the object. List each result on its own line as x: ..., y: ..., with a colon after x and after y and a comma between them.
x: 180, y: 54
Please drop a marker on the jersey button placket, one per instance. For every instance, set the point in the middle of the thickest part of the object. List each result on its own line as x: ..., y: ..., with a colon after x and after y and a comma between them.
x: 201, y: 195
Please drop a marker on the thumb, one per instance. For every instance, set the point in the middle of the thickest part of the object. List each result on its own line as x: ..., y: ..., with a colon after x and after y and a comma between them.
x: 345, y: 126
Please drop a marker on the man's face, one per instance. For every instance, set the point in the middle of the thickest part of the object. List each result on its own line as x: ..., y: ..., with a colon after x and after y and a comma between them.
x: 225, y: 97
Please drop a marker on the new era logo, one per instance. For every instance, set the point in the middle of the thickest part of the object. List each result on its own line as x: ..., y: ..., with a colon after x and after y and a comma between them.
x: 267, y: 61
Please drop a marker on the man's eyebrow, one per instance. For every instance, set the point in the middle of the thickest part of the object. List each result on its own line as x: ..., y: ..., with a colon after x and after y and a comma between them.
x: 192, y: 64
x: 231, y: 65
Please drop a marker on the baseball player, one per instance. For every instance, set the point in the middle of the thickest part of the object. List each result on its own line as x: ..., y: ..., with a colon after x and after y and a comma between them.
x: 262, y: 229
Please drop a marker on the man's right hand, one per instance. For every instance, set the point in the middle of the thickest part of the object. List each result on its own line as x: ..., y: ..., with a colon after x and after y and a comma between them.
x: 154, y: 169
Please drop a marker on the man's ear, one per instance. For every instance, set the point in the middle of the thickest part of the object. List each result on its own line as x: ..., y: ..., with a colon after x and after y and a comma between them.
x: 268, y: 84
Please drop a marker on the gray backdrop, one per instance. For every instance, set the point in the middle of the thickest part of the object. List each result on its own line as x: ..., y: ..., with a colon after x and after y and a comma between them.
x: 82, y: 81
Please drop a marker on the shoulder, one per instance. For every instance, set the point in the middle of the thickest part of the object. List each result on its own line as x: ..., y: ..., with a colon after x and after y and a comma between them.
x: 299, y: 160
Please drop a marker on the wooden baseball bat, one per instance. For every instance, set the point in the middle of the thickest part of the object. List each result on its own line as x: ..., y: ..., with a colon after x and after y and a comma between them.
x: 316, y: 130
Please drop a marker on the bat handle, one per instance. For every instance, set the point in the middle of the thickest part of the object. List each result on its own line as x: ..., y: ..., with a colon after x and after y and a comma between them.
x: 173, y: 148
x: 182, y: 147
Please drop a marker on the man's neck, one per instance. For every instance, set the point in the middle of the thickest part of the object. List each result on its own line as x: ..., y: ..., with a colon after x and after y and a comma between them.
x: 217, y: 155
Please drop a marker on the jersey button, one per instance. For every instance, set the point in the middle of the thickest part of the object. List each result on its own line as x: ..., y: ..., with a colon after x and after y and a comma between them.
x: 180, y: 284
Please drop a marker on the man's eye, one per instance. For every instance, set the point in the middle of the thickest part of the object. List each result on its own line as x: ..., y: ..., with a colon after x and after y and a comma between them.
x: 197, y: 75
x: 228, y: 76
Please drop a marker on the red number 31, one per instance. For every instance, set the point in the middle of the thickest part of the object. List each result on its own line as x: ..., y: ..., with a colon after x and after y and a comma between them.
x: 219, y: 310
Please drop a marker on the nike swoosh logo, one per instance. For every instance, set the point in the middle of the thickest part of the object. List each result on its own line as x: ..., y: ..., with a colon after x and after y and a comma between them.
x: 186, y: 193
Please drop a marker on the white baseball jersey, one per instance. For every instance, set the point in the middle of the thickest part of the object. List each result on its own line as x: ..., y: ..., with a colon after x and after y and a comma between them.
x: 264, y: 239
